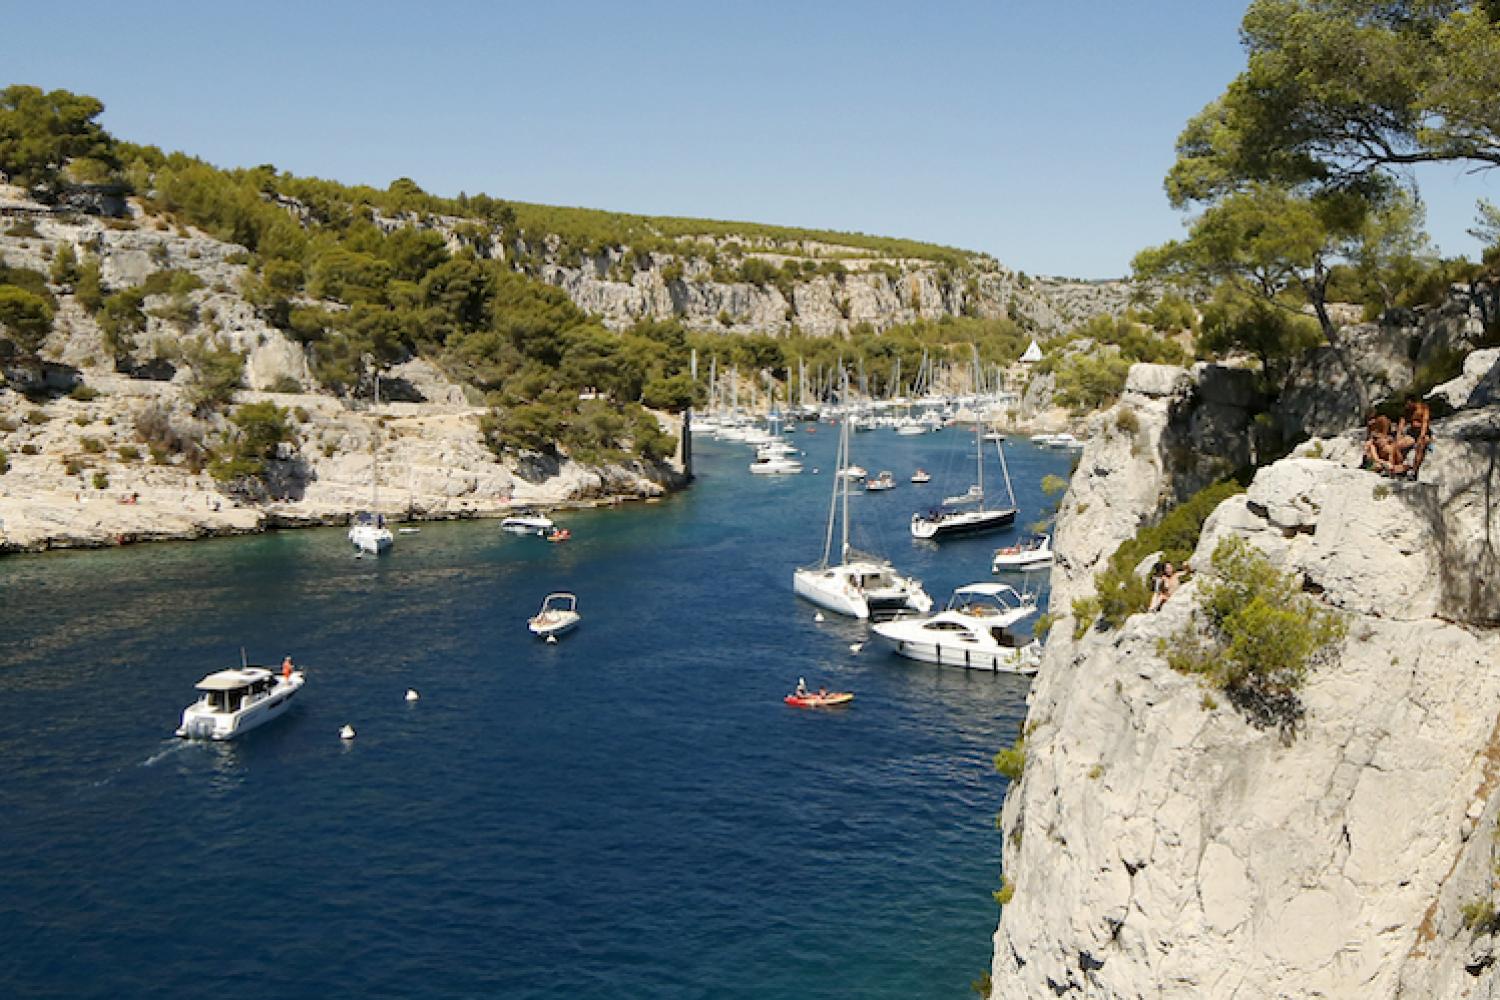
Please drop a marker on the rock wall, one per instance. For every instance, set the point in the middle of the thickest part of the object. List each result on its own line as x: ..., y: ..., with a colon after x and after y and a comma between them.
x: 879, y: 294
x: 1161, y: 845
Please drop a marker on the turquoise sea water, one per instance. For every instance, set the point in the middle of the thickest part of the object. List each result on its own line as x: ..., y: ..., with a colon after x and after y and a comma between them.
x: 630, y: 813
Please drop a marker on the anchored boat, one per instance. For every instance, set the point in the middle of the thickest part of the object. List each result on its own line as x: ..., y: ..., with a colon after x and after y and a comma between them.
x: 236, y: 701
x: 559, y: 615
x: 972, y: 632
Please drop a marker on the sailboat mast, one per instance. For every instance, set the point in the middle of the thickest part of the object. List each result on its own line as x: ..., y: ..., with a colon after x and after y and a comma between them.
x: 375, y: 453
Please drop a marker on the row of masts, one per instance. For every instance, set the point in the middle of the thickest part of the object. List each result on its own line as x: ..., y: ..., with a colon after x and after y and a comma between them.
x: 810, y: 389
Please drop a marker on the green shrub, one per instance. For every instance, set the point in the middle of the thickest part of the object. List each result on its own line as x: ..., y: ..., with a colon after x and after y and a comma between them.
x: 1053, y: 485
x: 23, y: 228
x: 1011, y: 761
x: 4, y: 462
x: 30, y: 449
x: 1043, y: 625
x: 1127, y: 422
x: 128, y: 453
x: 1006, y: 892
x: 74, y: 466
x: 1085, y: 613
x: 92, y: 446
x: 1480, y: 916
x: 83, y: 392
x: 1120, y: 591
x: 101, y: 481
x: 36, y: 417
x: 286, y: 384
x: 1254, y: 635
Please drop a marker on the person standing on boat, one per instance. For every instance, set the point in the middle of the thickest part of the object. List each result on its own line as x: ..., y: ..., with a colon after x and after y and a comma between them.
x: 286, y: 668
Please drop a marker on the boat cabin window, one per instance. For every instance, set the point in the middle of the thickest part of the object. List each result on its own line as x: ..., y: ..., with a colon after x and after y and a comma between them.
x: 946, y: 627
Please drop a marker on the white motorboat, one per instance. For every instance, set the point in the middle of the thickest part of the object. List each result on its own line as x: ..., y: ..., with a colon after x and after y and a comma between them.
x: 527, y: 521
x: 1063, y: 440
x: 559, y: 614
x: 911, y: 428
x: 973, y: 632
x: 859, y: 585
x: 853, y: 472
x: 775, y: 466
x: 368, y: 533
x: 236, y: 701
x: 921, y: 476
x: 955, y: 517
x: 1024, y: 555
x: 882, y: 482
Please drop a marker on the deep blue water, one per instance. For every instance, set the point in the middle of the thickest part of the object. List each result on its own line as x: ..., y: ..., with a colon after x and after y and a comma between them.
x: 632, y: 812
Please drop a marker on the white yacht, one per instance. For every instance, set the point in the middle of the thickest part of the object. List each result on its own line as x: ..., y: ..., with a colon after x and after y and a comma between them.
x: 527, y: 521
x: 973, y: 632
x: 859, y: 585
x: 776, y: 458
x: 884, y: 481
x: 955, y: 517
x: 368, y: 533
x: 559, y: 614
x: 1024, y: 555
x: 236, y: 701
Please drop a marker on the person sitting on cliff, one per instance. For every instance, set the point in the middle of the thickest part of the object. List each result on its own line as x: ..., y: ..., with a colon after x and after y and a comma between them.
x: 1413, y: 434
x: 1380, y: 446
x: 1166, y: 586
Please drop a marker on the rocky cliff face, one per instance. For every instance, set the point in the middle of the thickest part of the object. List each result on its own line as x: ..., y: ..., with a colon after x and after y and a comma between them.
x: 1160, y: 845
x: 71, y: 462
x: 879, y: 294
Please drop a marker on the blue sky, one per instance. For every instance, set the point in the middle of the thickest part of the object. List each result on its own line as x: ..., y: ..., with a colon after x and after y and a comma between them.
x: 1035, y: 130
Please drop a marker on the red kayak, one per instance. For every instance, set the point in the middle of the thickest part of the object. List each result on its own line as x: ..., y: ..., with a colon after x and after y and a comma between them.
x: 820, y: 700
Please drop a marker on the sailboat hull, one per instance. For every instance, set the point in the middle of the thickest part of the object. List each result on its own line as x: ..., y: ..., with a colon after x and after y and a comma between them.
x: 829, y: 589
x: 960, y: 523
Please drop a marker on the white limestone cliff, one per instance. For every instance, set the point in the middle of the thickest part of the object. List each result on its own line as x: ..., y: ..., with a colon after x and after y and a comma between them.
x: 1160, y: 845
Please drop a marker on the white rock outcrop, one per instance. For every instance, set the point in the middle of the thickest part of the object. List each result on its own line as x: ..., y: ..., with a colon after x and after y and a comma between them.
x: 1162, y: 846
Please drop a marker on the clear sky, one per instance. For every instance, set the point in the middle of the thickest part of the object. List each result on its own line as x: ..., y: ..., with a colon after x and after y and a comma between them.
x: 1035, y: 130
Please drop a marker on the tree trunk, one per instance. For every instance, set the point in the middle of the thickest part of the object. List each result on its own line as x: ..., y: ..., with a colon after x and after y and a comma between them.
x: 1317, y: 294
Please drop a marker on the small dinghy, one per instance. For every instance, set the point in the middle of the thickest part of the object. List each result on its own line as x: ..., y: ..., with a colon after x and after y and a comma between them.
x: 559, y: 535
x: 559, y: 614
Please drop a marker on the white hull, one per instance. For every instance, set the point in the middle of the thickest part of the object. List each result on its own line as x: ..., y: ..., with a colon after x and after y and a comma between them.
x: 560, y: 623
x: 775, y: 467
x: 829, y: 590
x: 198, y: 722
x: 368, y: 538
x: 1001, y: 660
x: 527, y: 525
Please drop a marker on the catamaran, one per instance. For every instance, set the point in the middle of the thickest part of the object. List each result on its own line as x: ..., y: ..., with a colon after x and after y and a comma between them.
x: 859, y: 584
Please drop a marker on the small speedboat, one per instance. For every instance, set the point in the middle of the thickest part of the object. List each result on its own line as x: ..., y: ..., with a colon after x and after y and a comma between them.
x: 526, y: 521
x: 1023, y: 555
x: 559, y: 614
x: 819, y: 699
x: 237, y: 700
x: 884, y: 481
x: 853, y: 473
x: 921, y: 476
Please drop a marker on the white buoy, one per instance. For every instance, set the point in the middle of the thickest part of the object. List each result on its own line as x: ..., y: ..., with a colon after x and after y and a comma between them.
x: 855, y: 647
x: 347, y: 733
x: 411, y: 694
x: 818, y: 617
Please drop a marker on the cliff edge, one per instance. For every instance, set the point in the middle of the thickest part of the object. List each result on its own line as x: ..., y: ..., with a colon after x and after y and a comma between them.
x: 1160, y: 844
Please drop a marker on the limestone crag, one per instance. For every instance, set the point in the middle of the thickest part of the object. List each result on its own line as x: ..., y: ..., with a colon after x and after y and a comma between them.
x: 1161, y: 845
x: 879, y: 294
